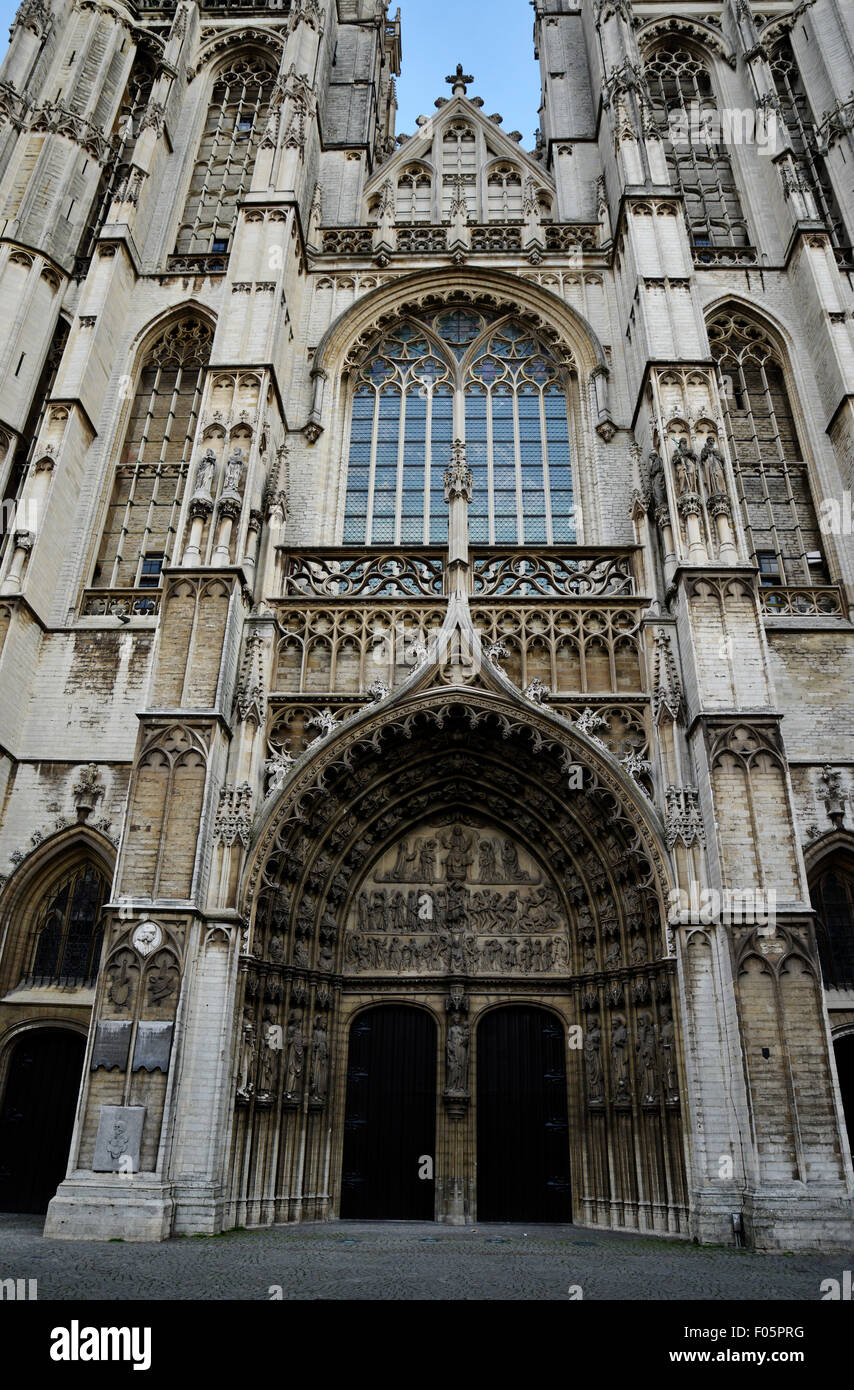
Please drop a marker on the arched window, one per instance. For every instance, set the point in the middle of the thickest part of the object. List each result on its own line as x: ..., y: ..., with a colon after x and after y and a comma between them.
x: 504, y: 193
x: 508, y: 396
x: 414, y: 201
x: 223, y: 170
x: 139, y: 531
x: 687, y: 117
x: 26, y: 444
x: 832, y: 893
x: 799, y: 122
x: 118, y: 164
x: 66, y: 943
x: 771, y: 474
x: 459, y: 166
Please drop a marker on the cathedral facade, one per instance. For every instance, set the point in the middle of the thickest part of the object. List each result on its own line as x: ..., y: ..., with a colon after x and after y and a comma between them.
x: 426, y: 590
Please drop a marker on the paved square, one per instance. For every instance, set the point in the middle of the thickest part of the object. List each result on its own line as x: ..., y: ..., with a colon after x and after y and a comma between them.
x: 391, y: 1260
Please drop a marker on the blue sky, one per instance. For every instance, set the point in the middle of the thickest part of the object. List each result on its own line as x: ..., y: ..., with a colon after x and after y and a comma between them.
x: 493, y: 39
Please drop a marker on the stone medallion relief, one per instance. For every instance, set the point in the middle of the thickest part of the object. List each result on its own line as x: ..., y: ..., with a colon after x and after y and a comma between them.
x: 456, y: 897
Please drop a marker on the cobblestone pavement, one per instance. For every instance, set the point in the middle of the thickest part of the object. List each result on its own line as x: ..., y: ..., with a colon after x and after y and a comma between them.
x: 404, y: 1260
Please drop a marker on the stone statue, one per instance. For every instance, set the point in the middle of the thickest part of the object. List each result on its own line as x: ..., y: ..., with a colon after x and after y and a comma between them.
x: 667, y: 1046
x: 713, y: 467
x: 458, y: 858
x: 457, y: 1057
x: 619, y: 1060
x: 205, y: 471
x: 646, y: 1057
x: 685, y: 466
x: 657, y: 484
x: 277, y: 948
x: 593, y: 1060
x: 269, y: 1054
x: 233, y: 470
x: 319, y: 1075
x: 294, y: 1055
x: 246, y: 1073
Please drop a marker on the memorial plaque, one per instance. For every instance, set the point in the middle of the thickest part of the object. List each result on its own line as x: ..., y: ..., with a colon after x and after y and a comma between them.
x: 118, y: 1140
x: 112, y: 1043
x: 153, y: 1046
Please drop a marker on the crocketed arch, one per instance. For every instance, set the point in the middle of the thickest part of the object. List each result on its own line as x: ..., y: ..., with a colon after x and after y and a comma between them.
x: 767, y: 448
x: 704, y: 35
x: 50, y: 910
x: 688, y: 118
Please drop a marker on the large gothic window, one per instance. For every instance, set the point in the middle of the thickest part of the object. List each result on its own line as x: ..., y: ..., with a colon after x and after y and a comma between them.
x: 139, y: 531
x: 223, y: 170
x: 832, y: 894
x: 66, y: 943
x: 771, y: 473
x: 798, y: 119
x: 459, y: 374
x: 687, y: 117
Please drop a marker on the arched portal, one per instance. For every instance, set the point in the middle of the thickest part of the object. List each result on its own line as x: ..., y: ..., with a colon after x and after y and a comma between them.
x: 843, y: 1049
x: 37, y: 1116
x: 445, y: 858
x: 390, y: 1117
x: 522, y: 1126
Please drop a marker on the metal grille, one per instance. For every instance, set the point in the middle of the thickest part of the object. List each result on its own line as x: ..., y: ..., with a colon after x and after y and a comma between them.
x: 139, y: 532
x: 223, y: 170
x: 798, y: 120
x: 683, y: 101
x: 771, y: 475
x: 67, y: 940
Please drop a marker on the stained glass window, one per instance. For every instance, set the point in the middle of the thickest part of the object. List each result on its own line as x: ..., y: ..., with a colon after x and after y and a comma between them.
x: 459, y: 374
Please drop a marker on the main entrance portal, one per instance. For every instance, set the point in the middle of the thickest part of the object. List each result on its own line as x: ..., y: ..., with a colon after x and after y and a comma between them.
x: 390, y: 1122
x: 522, y: 1128
x: 38, y: 1116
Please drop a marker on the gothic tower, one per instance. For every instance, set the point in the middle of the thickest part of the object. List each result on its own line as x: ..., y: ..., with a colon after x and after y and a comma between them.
x: 426, y: 592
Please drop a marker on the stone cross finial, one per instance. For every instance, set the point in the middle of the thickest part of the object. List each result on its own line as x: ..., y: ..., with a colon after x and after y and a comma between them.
x: 459, y: 80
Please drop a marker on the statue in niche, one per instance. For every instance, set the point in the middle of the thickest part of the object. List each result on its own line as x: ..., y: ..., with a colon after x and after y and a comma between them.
x: 714, y: 468
x: 619, y: 1059
x: 294, y: 1055
x: 248, y: 1049
x: 319, y: 1075
x: 667, y: 1044
x: 589, y: 964
x: 301, y: 953
x: 276, y: 950
x: 326, y: 959
x: 657, y: 484
x: 640, y: 952
x: 646, y: 1057
x: 613, y: 955
x: 233, y: 470
x: 685, y: 467
x: 205, y: 471
x: 269, y: 1053
x: 593, y: 1060
x: 457, y: 1057
x: 459, y: 855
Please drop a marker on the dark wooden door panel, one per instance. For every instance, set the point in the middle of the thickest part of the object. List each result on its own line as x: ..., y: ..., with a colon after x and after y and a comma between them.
x: 37, y: 1117
x: 522, y: 1128
x: 390, y: 1121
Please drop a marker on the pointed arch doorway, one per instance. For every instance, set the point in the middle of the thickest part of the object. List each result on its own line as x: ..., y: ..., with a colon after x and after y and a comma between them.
x: 37, y: 1116
x: 522, y: 1127
x: 390, y: 1118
